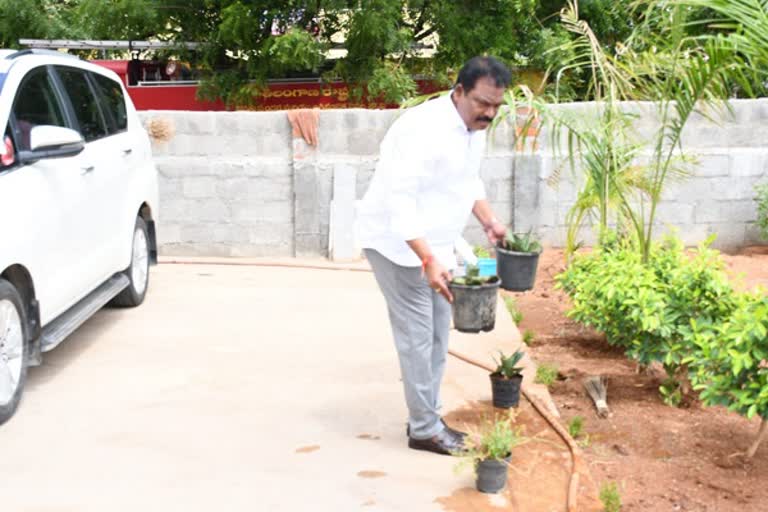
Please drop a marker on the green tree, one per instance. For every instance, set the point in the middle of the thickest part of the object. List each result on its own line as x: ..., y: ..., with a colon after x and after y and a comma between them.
x: 23, y: 18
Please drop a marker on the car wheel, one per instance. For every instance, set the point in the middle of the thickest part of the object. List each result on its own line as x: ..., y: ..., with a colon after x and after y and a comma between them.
x: 14, y: 349
x: 138, y: 271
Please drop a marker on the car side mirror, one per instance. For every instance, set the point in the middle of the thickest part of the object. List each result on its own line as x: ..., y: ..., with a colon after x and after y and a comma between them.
x: 51, y: 142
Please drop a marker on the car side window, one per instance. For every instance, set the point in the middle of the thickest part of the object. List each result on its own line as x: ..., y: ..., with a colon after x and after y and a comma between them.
x: 36, y: 103
x: 84, y: 103
x: 113, y: 100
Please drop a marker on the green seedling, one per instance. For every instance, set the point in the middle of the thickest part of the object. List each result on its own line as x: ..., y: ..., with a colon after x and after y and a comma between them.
x: 546, y: 374
x: 517, y: 316
x: 576, y: 426
x: 609, y: 497
x: 528, y: 336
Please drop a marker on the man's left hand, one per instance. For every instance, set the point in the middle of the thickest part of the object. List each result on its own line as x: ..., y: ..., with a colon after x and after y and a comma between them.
x: 495, y: 231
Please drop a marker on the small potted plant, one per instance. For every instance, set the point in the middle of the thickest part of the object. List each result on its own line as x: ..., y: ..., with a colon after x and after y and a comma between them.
x: 506, y: 380
x: 517, y: 259
x: 489, y: 450
x: 474, y: 301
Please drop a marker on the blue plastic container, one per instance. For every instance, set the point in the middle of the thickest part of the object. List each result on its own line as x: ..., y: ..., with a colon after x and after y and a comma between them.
x: 487, y: 266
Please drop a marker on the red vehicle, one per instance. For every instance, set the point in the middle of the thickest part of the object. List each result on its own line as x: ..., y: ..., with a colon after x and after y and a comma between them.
x: 154, y: 86
x: 172, y: 85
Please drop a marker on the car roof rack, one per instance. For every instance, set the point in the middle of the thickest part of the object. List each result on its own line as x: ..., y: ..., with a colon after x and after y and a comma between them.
x: 40, y: 51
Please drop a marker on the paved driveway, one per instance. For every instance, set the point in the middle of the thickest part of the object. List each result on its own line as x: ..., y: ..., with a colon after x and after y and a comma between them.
x: 232, y: 388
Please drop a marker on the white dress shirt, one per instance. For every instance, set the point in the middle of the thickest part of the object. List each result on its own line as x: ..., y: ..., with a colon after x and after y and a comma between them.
x: 425, y: 185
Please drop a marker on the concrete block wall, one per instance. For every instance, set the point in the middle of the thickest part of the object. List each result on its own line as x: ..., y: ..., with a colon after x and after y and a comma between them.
x: 226, y: 184
x: 730, y: 159
x: 238, y: 184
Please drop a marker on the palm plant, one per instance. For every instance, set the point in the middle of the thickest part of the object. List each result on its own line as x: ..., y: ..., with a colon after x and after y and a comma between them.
x: 683, y: 80
x: 602, y: 148
x: 679, y: 75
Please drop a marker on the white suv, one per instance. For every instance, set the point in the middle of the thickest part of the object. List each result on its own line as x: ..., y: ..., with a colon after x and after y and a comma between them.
x: 78, y: 199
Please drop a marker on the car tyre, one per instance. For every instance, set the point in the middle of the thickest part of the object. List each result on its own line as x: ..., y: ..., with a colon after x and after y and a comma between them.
x: 14, y: 349
x: 138, y: 271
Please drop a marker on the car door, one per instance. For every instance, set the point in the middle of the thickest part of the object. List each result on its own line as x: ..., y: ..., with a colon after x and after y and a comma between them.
x: 101, y: 166
x: 120, y: 183
x: 43, y: 201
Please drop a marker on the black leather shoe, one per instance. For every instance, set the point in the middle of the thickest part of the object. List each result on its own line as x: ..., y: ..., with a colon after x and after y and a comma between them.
x: 452, y: 430
x: 444, y: 443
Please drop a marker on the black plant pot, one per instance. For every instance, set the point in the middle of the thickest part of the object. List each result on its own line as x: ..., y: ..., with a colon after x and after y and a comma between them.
x: 505, y: 392
x: 474, y: 307
x: 492, y: 474
x: 517, y: 270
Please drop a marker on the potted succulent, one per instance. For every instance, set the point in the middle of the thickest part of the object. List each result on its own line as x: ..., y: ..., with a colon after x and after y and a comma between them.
x: 506, y: 380
x: 517, y: 260
x: 489, y: 450
x: 474, y: 301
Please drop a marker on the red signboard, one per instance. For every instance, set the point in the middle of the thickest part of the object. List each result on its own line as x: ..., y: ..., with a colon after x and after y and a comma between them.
x: 165, y: 93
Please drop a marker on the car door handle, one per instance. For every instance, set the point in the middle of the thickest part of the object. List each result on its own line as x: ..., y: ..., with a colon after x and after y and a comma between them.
x: 86, y: 170
x: 127, y: 152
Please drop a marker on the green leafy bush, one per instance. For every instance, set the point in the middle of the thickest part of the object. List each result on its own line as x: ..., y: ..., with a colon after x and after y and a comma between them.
x: 730, y: 360
x: 647, y: 309
x: 679, y: 309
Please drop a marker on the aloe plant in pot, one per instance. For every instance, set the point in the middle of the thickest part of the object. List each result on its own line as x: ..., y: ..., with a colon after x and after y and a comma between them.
x: 517, y: 259
x: 506, y: 380
x: 489, y: 450
x: 474, y: 301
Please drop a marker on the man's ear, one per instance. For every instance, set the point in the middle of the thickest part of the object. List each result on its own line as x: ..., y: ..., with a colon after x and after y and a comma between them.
x: 458, y: 90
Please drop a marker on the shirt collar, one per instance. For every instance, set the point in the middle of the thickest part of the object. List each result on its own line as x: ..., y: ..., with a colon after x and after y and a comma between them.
x: 452, y: 115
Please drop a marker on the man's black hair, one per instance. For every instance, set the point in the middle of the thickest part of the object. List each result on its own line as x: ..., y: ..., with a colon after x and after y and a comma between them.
x: 480, y: 67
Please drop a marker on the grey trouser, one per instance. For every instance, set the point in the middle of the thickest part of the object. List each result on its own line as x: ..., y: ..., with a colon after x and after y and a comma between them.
x: 421, y: 321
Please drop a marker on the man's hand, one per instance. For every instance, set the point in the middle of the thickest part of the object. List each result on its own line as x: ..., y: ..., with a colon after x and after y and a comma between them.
x: 495, y: 231
x: 438, y: 278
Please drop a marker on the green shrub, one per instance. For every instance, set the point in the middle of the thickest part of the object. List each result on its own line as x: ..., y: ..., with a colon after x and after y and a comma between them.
x: 647, y: 309
x: 730, y: 360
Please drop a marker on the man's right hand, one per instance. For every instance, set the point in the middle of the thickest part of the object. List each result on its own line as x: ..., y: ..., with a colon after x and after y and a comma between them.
x: 438, y: 278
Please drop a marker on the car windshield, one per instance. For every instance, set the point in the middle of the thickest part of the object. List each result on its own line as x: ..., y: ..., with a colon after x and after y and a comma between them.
x: 2, y: 81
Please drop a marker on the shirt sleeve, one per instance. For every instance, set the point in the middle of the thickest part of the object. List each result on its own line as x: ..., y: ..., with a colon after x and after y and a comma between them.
x: 407, y: 174
x: 478, y: 189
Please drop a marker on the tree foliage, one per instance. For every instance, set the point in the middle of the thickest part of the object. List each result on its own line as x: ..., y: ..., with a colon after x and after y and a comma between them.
x: 385, y: 42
